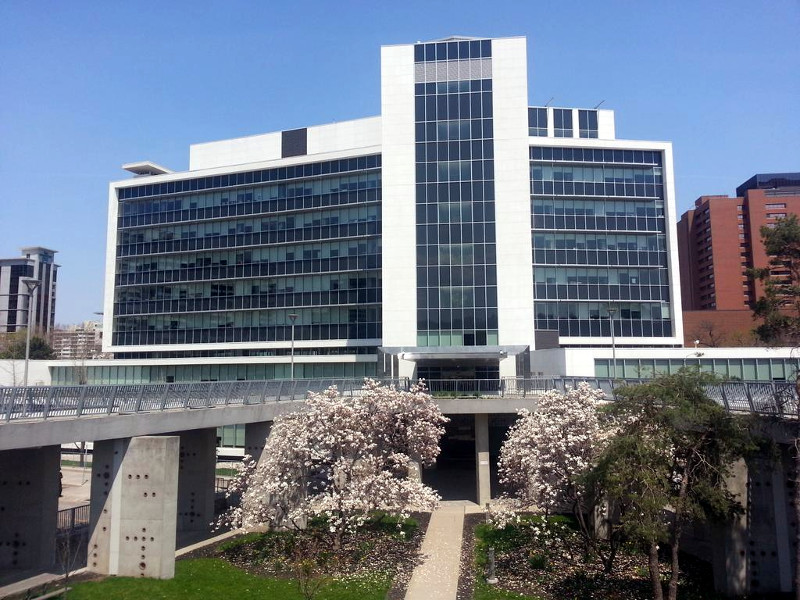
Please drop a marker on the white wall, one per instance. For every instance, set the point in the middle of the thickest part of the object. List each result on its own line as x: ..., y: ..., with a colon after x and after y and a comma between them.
x: 512, y: 191
x: 12, y: 372
x: 332, y: 137
x: 399, y: 205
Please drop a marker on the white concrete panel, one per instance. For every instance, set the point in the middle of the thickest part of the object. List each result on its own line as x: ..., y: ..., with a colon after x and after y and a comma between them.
x: 512, y: 192
x: 237, y: 151
x: 605, y: 125
x: 399, y: 210
x: 347, y: 135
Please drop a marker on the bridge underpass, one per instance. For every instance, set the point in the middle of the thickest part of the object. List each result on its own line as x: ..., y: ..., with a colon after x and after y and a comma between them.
x: 154, y: 458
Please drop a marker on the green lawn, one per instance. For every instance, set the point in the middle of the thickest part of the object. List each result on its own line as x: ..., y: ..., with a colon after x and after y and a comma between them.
x: 484, y: 591
x: 213, y: 578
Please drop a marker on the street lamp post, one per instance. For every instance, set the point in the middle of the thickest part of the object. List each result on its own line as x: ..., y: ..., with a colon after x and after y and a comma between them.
x: 31, y: 284
x: 611, y: 310
x: 292, y: 318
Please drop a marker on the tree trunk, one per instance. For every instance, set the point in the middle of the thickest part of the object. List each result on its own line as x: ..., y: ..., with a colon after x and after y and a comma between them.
x: 655, y: 573
x: 677, y: 531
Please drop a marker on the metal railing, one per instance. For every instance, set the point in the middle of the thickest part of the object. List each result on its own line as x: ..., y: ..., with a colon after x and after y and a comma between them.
x: 45, y: 402
x: 70, y: 519
x: 777, y: 398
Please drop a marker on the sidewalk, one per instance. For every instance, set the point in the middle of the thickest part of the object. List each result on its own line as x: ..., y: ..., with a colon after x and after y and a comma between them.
x: 437, y: 577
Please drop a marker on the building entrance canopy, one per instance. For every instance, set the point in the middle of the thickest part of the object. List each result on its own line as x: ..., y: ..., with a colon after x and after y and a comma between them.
x: 421, y: 353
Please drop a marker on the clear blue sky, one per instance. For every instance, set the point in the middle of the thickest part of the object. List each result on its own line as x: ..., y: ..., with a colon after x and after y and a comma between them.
x: 87, y: 86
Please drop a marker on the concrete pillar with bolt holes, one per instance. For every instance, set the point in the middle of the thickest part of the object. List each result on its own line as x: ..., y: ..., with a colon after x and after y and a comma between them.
x: 482, y: 458
x: 132, y: 510
x: 28, y: 508
x: 255, y: 438
x: 197, y: 464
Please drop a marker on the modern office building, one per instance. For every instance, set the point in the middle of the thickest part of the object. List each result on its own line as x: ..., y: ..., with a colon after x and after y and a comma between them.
x: 720, y: 239
x: 449, y: 236
x: 35, y: 263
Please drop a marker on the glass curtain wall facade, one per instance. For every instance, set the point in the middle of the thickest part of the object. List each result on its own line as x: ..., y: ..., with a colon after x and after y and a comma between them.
x: 599, y: 242
x: 456, y: 253
x: 229, y: 258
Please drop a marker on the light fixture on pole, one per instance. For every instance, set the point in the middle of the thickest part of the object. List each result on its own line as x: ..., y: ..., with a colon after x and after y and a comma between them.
x: 31, y: 284
x: 612, y: 310
x: 292, y: 318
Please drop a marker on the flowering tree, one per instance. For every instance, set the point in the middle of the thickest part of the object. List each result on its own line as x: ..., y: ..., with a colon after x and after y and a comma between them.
x: 344, y: 457
x: 545, y: 460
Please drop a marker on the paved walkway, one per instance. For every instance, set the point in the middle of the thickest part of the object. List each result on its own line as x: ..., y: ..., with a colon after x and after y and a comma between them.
x: 437, y: 577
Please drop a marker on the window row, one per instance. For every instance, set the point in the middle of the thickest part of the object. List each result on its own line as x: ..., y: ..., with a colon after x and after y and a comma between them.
x: 455, y: 171
x: 459, y: 337
x: 747, y: 369
x: 255, y: 318
x: 293, y: 267
x: 462, y: 191
x: 257, y: 301
x: 579, y: 188
x: 454, y: 130
x: 592, y: 241
x: 470, y: 105
x: 455, y: 212
x: 456, y: 255
x: 457, y: 296
x: 599, y: 223
x: 452, y: 50
x: 252, y: 287
x: 135, y: 374
x: 477, y: 275
x: 455, y: 150
x: 360, y: 163
x: 591, y: 276
x: 360, y: 331
x: 543, y: 291
x: 282, y: 191
x: 605, y: 174
x: 601, y: 207
x: 599, y: 310
x: 356, y: 214
x: 455, y: 233
x: 596, y: 155
x: 599, y: 257
x: 252, y: 208
x: 452, y: 87
x: 626, y: 328
x: 308, y: 234
x: 249, y: 256
x: 445, y: 318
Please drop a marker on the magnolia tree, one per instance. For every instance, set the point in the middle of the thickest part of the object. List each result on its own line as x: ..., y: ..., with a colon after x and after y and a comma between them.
x: 342, y: 458
x: 546, y: 459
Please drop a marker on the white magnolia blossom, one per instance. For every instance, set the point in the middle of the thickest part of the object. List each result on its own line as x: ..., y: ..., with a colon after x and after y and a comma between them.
x: 547, y: 449
x: 343, y: 457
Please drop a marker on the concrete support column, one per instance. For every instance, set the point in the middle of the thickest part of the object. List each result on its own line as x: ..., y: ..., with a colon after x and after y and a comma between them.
x: 132, y: 511
x: 482, y: 458
x: 508, y: 366
x: 255, y: 438
x: 28, y: 508
x: 730, y: 545
x: 196, y: 472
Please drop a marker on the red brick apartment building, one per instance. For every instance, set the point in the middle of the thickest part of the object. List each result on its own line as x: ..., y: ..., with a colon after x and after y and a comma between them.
x: 720, y: 238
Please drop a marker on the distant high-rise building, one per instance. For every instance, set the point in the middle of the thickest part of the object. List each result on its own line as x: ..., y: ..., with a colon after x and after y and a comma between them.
x: 78, y: 341
x: 720, y: 239
x: 37, y: 263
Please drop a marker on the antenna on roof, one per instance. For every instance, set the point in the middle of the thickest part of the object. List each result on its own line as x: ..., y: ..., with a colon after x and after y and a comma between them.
x: 549, y: 101
x: 599, y: 103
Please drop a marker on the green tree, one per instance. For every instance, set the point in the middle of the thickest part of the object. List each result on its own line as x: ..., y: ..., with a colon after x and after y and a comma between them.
x: 13, y: 347
x: 779, y: 307
x: 670, y: 446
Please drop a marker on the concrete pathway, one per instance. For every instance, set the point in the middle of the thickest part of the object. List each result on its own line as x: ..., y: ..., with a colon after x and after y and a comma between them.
x: 437, y: 577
